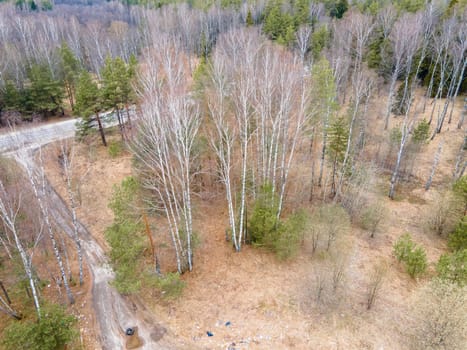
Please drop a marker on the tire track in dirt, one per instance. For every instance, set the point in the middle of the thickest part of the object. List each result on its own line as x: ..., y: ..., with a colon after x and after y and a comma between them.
x: 114, y: 312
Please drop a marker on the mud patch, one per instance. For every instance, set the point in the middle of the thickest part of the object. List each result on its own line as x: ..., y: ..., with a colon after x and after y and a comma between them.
x: 158, y: 333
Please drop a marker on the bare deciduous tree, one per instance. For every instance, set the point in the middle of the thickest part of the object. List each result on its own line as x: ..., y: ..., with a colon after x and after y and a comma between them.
x: 375, y: 283
x: 168, y: 127
x: 440, y: 320
x: 9, y: 211
x: 66, y: 158
x: 38, y: 182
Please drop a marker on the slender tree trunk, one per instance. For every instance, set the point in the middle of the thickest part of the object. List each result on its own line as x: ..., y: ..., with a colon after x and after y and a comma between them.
x: 433, y: 167
x: 390, y: 96
x: 323, y: 149
x: 459, y: 83
x: 48, y: 225
x: 5, y: 292
x: 8, y: 216
x: 68, y: 177
x: 460, y: 158
x: 101, y: 129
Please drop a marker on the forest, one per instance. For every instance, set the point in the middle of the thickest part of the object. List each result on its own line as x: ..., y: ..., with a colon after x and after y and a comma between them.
x: 243, y: 174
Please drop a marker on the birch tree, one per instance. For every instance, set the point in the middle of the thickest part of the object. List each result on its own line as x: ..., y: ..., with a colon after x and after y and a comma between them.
x: 302, y: 37
x: 9, y: 211
x: 163, y: 149
x: 38, y: 182
x: 223, y: 139
x: 404, y: 37
x: 66, y: 157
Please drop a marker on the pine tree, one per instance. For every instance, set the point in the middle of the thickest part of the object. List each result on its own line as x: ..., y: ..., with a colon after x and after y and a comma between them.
x: 11, y: 98
x: 117, y: 90
x: 69, y: 72
x: 319, y: 39
x: 249, y: 19
x: 301, y: 12
x: 45, y: 92
x: 338, y: 135
x: 88, y: 103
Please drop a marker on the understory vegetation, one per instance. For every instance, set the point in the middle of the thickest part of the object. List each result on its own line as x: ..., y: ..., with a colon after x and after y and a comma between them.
x: 319, y: 133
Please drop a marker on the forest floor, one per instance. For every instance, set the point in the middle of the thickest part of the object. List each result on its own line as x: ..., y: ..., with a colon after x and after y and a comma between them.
x: 251, y: 299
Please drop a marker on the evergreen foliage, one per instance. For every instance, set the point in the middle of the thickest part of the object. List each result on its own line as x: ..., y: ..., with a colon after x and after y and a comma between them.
x: 402, y: 100
x: 338, y: 133
x: 457, y: 240
x: 249, y: 19
x: 453, y: 267
x: 319, y: 40
x: 267, y: 230
x: 117, y: 77
x: 413, y: 256
x: 45, y: 92
x: 170, y: 285
x: 125, y: 237
x: 53, y: 331
x: 69, y: 70
x: 337, y: 8
x: 460, y: 190
x: 88, y: 103
x: 276, y: 22
x: 421, y: 133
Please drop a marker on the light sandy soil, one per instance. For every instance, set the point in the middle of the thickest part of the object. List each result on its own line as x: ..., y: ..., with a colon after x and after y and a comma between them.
x: 272, y: 304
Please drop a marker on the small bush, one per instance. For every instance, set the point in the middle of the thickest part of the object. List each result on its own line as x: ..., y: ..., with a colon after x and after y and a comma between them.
x: 54, y: 330
x: 439, y: 317
x: 421, y: 132
x: 287, y: 242
x: 266, y: 230
x: 372, y: 217
x: 416, y: 263
x: 444, y: 213
x: 115, y: 149
x: 329, y: 222
x: 453, y: 267
x: 457, y: 240
x: 413, y: 257
x: 403, y: 247
x: 170, y: 285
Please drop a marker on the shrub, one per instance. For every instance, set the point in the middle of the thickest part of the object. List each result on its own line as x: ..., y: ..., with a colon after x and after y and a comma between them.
x: 421, y: 132
x: 444, y: 213
x: 125, y: 237
x: 265, y: 229
x: 440, y: 320
x: 416, y: 262
x: 460, y: 190
x: 453, y: 267
x: 287, y: 242
x: 457, y: 240
x: 52, y: 332
x: 403, y: 247
x: 328, y: 223
x: 263, y: 224
x: 115, y: 149
x: 372, y: 217
x: 170, y: 285
x: 413, y: 257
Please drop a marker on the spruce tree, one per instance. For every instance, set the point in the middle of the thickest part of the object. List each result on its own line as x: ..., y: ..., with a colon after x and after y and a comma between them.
x: 117, y: 89
x: 88, y: 103
x: 249, y: 19
x: 45, y: 92
x: 69, y: 67
x: 338, y: 135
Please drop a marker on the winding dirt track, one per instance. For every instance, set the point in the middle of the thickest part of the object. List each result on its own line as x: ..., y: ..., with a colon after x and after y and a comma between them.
x: 113, y: 311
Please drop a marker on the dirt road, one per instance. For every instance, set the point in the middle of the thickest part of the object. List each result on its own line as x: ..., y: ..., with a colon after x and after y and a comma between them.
x: 114, y: 312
